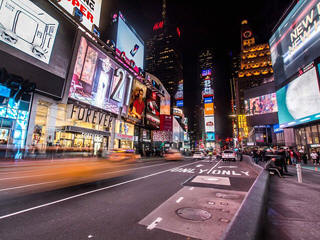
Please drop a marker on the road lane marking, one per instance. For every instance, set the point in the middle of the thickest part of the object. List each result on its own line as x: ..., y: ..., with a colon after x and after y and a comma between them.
x: 180, y: 199
x: 154, y: 223
x: 25, y: 186
x: 214, y: 166
x: 85, y: 193
x: 125, y: 170
x: 2, y: 179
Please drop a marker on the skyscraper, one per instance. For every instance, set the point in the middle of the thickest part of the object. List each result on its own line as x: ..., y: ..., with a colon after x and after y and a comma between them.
x: 163, y: 57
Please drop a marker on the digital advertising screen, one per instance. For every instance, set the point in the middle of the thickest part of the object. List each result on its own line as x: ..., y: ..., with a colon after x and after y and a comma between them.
x: 208, y: 100
x: 179, y: 103
x: 261, y: 105
x: 87, y: 10
x: 137, y: 100
x: 211, y: 136
x: 36, y: 40
x: 296, y: 42
x: 153, y: 108
x: 99, y: 81
x: 206, y: 72
x: 299, y: 101
x: 208, y: 109
x: 165, y: 104
x: 129, y: 42
x: 209, y: 124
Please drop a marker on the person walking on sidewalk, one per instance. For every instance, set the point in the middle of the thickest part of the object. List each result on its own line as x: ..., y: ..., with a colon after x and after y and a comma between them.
x: 315, y: 158
x: 273, y: 166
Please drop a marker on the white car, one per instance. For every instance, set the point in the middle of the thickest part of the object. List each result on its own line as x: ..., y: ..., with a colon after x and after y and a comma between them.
x: 228, y: 155
x: 198, y: 155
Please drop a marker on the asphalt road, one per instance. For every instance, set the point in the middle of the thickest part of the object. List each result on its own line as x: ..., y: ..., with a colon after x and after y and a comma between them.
x: 186, y: 199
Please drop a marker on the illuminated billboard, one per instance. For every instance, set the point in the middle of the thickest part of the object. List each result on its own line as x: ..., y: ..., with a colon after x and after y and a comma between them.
x: 208, y: 109
x: 296, y: 42
x: 27, y: 28
x: 261, y: 105
x: 208, y: 100
x: 137, y: 100
x: 299, y: 101
x: 206, y: 72
x: 179, y: 103
x: 99, y: 81
x: 209, y: 124
x: 152, y: 109
x: 210, y: 136
x: 165, y: 104
x: 88, y: 11
x: 129, y: 43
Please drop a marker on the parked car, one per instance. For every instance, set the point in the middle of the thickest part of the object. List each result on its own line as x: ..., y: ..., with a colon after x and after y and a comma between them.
x: 174, y: 155
x: 198, y: 155
x: 229, y: 155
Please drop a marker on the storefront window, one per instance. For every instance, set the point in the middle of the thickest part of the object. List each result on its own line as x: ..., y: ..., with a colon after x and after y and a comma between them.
x: 315, y: 134
x: 40, y: 128
x: 308, y: 133
x: 303, y: 137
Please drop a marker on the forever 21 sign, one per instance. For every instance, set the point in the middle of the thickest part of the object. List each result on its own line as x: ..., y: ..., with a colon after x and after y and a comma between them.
x: 89, y: 115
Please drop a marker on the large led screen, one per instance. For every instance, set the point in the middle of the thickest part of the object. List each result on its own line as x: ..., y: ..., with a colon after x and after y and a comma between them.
x: 99, y: 81
x: 129, y: 42
x: 137, y: 100
x: 209, y: 124
x: 208, y: 109
x: 153, y: 109
x: 296, y: 42
x: 299, y: 101
x: 261, y: 105
x: 211, y: 136
x: 27, y: 28
x: 165, y: 104
x: 36, y: 43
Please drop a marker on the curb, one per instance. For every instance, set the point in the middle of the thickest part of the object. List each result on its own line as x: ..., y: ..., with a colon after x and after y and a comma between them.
x: 248, y: 221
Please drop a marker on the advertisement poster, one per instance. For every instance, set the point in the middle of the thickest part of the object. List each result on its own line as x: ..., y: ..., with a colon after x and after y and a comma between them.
x: 87, y: 10
x: 27, y: 28
x: 162, y: 136
x: 99, y: 81
x: 129, y: 42
x: 209, y: 124
x: 124, y: 131
x: 153, y: 109
x: 165, y: 104
x: 137, y: 100
x: 208, y: 109
x: 211, y: 136
x: 296, y: 42
x: 299, y: 101
x: 261, y: 105
x: 165, y: 123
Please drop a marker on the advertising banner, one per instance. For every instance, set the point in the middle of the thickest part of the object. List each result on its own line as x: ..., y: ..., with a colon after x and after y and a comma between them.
x: 129, y: 42
x: 153, y: 109
x: 165, y: 123
x: 124, y: 131
x: 137, y: 101
x: 88, y: 11
x: 211, y: 136
x: 209, y: 124
x: 162, y: 136
x: 261, y: 105
x: 99, y: 81
x: 208, y: 109
x: 165, y: 104
x: 296, y: 42
x: 36, y: 41
x: 299, y: 101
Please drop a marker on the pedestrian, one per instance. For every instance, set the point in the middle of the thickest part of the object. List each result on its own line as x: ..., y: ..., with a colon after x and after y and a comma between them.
x: 304, y: 158
x: 315, y: 158
x: 273, y: 167
x: 282, y: 159
x: 292, y: 157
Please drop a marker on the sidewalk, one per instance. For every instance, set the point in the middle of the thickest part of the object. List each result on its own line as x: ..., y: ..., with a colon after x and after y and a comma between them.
x: 293, y: 208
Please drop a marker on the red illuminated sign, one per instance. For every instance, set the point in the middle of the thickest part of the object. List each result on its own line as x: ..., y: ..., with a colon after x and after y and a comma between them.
x: 158, y: 26
x: 178, y: 31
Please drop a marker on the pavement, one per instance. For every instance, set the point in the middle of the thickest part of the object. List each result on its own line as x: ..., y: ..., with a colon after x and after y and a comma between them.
x: 293, y: 208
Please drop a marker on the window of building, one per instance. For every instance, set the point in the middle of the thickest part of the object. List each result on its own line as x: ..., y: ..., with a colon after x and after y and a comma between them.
x: 308, y: 134
x: 315, y: 134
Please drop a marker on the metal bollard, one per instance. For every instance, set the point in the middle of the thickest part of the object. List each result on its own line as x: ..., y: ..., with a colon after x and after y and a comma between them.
x: 299, y: 173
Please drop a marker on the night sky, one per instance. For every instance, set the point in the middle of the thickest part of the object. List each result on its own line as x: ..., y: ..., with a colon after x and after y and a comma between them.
x: 216, y: 25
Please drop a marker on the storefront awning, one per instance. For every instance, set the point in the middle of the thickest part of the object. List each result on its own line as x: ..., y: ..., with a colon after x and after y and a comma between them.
x: 84, y: 130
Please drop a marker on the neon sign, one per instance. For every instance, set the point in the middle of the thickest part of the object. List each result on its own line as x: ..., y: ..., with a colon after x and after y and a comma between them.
x: 158, y: 26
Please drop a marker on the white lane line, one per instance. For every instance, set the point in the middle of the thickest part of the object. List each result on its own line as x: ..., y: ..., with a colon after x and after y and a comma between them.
x: 86, y: 193
x: 180, y: 199
x: 154, y: 223
x: 214, y: 167
x: 2, y: 179
x: 191, y: 188
x: 25, y: 186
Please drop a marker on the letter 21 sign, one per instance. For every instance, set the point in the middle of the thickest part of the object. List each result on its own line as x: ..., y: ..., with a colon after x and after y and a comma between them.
x: 87, y: 11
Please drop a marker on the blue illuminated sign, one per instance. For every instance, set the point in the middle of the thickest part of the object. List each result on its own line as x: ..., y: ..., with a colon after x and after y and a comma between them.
x: 277, y: 129
x: 180, y: 103
x: 4, y: 91
x: 206, y: 72
x: 211, y: 136
x: 208, y: 100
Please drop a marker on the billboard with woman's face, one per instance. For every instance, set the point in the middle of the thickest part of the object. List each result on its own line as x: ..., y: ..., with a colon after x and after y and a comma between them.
x: 137, y: 101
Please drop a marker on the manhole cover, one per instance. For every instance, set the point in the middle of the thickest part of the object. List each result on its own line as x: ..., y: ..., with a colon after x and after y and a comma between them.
x: 194, y: 214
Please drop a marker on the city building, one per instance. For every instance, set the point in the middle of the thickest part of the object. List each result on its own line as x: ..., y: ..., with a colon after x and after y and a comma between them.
x: 255, y: 98
x: 295, y: 51
x: 163, y: 56
x: 206, y: 75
